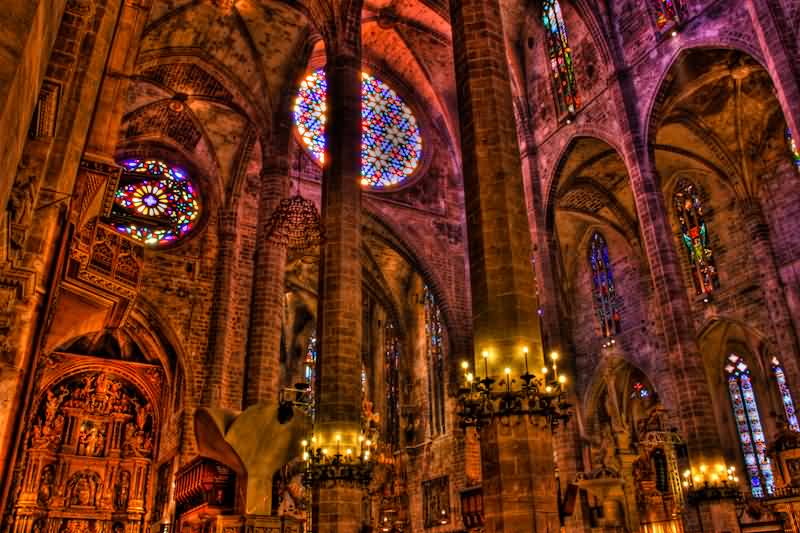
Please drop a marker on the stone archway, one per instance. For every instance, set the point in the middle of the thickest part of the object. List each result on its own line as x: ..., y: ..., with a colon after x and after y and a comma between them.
x: 89, y: 446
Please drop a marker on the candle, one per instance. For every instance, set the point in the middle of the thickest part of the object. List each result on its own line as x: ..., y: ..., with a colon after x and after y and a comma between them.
x: 525, y: 353
x: 486, y: 362
x: 508, y: 379
x: 465, y: 366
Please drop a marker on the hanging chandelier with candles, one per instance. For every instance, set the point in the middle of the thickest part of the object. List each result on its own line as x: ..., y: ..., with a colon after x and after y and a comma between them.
x: 483, y: 400
x: 337, y: 462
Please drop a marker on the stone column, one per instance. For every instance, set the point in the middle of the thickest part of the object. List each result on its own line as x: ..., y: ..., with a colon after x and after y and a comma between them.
x: 264, y: 348
x: 517, y: 460
x: 773, y: 33
x: 783, y: 332
x: 339, y: 506
x: 682, y: 363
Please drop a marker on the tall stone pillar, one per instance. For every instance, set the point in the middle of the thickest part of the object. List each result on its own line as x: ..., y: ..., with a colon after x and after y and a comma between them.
x: 339, y: 505
x: 517, y: 459
x: 774, y: 36
x: 680, y: 370
x: 264, y: 348
x: 783, y: 332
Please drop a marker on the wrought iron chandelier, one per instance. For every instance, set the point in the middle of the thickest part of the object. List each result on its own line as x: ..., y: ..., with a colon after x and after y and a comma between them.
x: 481, y: 401
x: 339, y: 463
x: 295, y: 223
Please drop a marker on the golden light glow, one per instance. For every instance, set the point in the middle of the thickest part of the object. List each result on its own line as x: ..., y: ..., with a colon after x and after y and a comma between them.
x: 554, y: 356
x: 485, y: 354
x: 562, y: 379
x: 464, y: 365
x: 544, y: 370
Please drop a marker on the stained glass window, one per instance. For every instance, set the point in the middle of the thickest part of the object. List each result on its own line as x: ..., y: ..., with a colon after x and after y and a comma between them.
x: 640, y: 391
x: 560, y: 55
x: 793, y: 150
x: 434, y: 332
x: 666, y: 12
x: 391, y: 145
x: 694, y: 234
x: 391, y: 364
x: 748, y: 424
x: 605, y: 295
x: 155, y: 203
x: 786, y: 395
x: 310, y: 369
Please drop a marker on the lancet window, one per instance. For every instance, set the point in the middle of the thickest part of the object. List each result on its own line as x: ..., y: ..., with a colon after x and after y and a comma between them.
x: 560, y: 56
x: 748, y: 425
x: 434, y: 332
x: 786, y: 395
x: 392, y: 382
x: 605, y: 295
x: 694, y: 235
x: 666, y: 12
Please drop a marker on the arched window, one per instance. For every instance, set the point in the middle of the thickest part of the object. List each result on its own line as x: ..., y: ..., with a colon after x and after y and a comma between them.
x: 560, y: 56
x: 793, y: 150
x: 748, y: 424
x: 605, y: 295
x: 666, y: 12
x: 786, y: 395
x: 392, y: 377
x: 694, y: 234
x: 435, y: 347
x: 391, y: 145
x: 155, y: 203
x: 310, y: 369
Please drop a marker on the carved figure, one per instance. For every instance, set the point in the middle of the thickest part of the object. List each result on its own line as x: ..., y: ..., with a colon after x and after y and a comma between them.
x: 82, y: 489
x: 122, y: 490
x: 20, y: 203
x: 46, y: 484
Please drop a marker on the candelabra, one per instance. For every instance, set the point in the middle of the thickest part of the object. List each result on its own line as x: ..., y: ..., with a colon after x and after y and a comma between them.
x: 480, y: 400
x: 338, y: 465
x: 709, y: 484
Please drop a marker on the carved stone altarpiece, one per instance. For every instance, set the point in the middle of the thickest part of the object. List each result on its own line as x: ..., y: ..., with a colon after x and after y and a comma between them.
x: 89, y: 448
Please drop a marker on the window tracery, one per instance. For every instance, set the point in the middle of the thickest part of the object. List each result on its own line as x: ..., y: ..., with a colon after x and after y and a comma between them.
x: 694, y: 234
x: 666, y: 12
x: 748, y: 425
x: 155, y: 203
x: 793, y: 150
x: 391, y: 145
x: 786, y: 395
x: 392, y: 377
x: 605, y: 295
x: 560, y: 57
x: 434, y: 332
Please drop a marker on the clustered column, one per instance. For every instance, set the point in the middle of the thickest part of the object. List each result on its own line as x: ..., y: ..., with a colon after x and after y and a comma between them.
x: 517, y: 460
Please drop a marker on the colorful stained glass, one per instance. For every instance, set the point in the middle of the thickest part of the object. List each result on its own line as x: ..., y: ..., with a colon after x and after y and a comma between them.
x: 434, y: 332
x: 748, y: 425
x: 793, y: 150
x: 391, y: 365
x: 640, y: 391
x: 391, y: 145
x: 155, y: 203
x: 786, y: 395
x: 694, y: 234
x: 310, y: 370
x: 605, y: 295
x: 666, y: 12
x: 560, y: 55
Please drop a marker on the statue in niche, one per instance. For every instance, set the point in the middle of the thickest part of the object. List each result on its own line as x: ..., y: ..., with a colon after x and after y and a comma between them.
x: 82, y: 489
x: 604, y: 448
x: 619, y: 423
x: 141, y: 415
x: 90, y: 441
x: 122, y: 491
x: 38, y: 526
x: 46, y: 485
x: 20, y: 202
x: 53, y: 403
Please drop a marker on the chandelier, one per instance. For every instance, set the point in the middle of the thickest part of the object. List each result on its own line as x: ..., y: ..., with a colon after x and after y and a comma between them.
x: 336, y: 462
x: 295, y: 224
x: 483, y: 400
